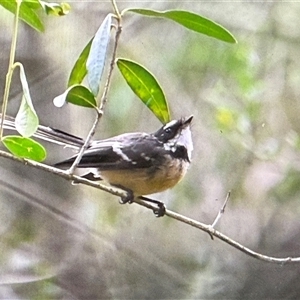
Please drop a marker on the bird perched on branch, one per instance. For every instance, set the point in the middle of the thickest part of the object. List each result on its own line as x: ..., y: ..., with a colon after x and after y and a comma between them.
x: 139, y: 163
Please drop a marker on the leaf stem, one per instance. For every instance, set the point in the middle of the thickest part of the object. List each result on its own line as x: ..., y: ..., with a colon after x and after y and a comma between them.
x: 117, y: 12
x: 10, y: 66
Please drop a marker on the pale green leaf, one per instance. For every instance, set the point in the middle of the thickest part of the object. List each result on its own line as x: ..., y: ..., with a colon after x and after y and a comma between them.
x: 96, y: 59
x: 24, y: 147
x: 26, y: 120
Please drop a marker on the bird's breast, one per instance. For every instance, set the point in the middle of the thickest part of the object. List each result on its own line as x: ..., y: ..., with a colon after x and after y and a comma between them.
x: 146, y: 181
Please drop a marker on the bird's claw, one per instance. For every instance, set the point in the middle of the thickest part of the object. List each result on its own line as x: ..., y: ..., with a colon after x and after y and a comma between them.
x: 160, y: 210
x: 128, y: 198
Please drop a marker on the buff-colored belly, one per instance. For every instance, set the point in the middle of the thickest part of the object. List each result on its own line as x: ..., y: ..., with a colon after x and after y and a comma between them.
x: 142, y: 184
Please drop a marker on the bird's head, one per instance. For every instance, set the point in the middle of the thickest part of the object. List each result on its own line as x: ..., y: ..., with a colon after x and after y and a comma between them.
x: 176, y: 137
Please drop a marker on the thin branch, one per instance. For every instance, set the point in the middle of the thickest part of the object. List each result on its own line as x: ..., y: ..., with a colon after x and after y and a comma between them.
x: 85, y: 145
x: 219, y: 215
x: 103, y: 101
x: 211, y: 231
x: 221, y: 211
x: 64, y: 174
x: 117, y: 12
x: 206, y: 228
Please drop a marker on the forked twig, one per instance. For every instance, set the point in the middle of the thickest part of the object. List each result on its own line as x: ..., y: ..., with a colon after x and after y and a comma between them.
x: 219, y: 215
x: 221, y: 211
x: 206, y: 228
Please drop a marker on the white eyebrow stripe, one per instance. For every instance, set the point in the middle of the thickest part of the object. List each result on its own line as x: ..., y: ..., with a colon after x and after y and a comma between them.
x: 170, y: 124
x: 117, y: 150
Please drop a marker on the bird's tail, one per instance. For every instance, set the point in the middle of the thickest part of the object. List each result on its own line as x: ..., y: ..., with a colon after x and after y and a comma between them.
x: 48, y: 134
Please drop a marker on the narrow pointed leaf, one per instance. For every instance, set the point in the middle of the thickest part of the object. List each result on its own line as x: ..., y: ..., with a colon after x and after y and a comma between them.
x: 96, y: 60
x: 26, y: 120
x: 146, y: 87
x: 34, y: 4
x: 24, y: 147
x: 79, y: 70
x: 191, y: 21
x: 27, y: 13
x: 78, y: 95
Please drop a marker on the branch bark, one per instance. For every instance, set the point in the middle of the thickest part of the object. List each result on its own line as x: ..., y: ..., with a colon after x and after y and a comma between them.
x: 180, y: 218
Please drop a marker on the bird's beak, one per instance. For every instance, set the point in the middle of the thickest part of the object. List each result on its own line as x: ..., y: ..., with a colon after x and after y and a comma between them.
x: 188, y: 120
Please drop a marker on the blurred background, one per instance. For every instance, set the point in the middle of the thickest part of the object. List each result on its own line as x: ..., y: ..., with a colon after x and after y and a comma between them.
x: 60, y: 241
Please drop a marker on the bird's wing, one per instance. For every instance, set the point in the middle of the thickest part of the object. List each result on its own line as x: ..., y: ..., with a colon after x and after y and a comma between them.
x: 127, y: 151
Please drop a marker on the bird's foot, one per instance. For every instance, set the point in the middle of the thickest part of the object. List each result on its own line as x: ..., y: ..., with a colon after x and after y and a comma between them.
x: 160, y: 210
x: 128, y: 198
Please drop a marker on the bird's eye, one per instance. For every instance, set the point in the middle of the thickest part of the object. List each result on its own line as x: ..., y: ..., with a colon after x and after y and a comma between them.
x: 168, y: 130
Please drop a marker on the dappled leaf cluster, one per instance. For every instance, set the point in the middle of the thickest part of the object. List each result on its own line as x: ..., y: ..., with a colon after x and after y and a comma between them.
x: 29, y: 10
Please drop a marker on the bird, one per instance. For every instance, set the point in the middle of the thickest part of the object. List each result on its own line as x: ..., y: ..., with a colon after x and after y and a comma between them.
x: 139, y: 163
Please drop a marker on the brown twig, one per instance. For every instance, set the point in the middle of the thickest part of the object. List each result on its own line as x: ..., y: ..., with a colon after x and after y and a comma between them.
x: 103, y: 100
x: 191, y: 222
x: 219, y: 215
x: 221, y: 211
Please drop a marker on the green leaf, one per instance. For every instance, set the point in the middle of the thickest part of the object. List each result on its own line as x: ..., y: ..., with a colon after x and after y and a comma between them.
x: 79, y: 70
x: 78, y: 95
x: 191, y: 21
x: 34, y: 4
x: 146, y: 87
x: 82, y: 96
x: 56, y: 9
x: 24, y: 147
x: 26, y: 120
x: 96, y: 60
x: 27, y: 14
